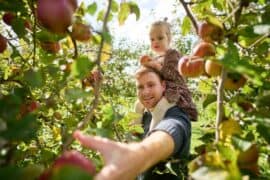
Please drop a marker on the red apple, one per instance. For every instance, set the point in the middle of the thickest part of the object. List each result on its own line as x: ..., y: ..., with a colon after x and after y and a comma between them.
x: 55, y: 15
x: 234, y: 81
x: 210, y: 32
x: 32, y: 106
x: 74, y: 4
x: 204, y: 49
x: 246, y: 105
x: 57, y: 115
x: 75, y: 158
x: 92, y: 78
x: 81, y: 32
x: 71, y: 158
x: 144, y: 59
x: 28, y: 25
x: 8, y: 17
x: 3, y: 43
x: 50, y: 47
x: 191, y: 66
x: 251, y: 155
x: 213, y: 68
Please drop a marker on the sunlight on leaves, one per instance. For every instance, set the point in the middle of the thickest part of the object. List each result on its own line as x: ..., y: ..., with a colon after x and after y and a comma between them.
x: 106, y: 52
x: 124, y: 12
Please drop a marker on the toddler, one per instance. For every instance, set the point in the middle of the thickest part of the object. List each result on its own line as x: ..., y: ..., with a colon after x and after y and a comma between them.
x: 166, y: 62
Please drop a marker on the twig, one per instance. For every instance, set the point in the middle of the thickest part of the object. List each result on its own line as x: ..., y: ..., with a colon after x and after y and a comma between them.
x: 190, y: 15
x: 97, y: 85
x: 259, y: 40
x: 31, y: 5
x: 231, y: 14
x: 74, y: 44
x: 2, y: 81
x: 220, y: 97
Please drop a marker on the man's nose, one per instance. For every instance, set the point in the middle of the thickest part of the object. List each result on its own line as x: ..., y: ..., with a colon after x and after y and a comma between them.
x: 146, y: 91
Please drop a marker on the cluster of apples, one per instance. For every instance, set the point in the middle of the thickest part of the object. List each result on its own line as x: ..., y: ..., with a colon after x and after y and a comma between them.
x: 57, y: 16
x: 92, y: 78
x: 194, y: 65
x: 9, y: 18
x: 202, y: 60
x: 72, y: 159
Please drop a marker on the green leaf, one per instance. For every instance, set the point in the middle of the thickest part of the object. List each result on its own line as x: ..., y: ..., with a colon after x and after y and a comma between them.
x: 92, y: 8
x: 104, y: 132
x: 230, y: 155
x: 263, y: 128
x: 115, y: 6
x: 214, y: 20
x: 70, y: 173
x: 46, y: 36
x: 10, y: 172
x: 210, y: 173
x: 231, y: 56
x: 134, y: 9
x: 81, y: 67
x: 205, y: 87
x: 75, y: 93
x: 13, y: 6
x: 263, y: 101
x: 24, y: 129
x: 18, y: 27
x: 100, y: 15
x: 186, y: 26
x: 240, y: 143
x: 124, y: 12
x: 210, y: 98
x: 107, y: 37
x: 34, y: 78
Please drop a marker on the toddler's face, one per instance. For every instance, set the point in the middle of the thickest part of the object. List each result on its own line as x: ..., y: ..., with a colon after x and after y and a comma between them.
x: 159, y: 40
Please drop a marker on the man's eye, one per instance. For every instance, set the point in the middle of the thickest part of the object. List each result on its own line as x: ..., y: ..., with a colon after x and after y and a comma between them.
x: 160, y: 38
x: 151, y: 85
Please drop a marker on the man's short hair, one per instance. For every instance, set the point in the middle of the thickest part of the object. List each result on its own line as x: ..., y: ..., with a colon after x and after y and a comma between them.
x: 143, y: 70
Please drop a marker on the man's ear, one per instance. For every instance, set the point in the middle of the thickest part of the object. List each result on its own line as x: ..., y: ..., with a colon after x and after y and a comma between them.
x: 163, y: 84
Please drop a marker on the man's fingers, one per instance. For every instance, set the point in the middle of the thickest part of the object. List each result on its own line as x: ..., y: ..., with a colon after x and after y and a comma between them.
x: 92, y: 142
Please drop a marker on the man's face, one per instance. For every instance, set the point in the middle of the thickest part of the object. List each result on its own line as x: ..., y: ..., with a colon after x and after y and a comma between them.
x: 159, y: 40
x: 149, y: 89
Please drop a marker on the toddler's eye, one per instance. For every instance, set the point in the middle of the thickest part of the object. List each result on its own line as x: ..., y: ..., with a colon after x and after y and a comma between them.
x: 160, y: 38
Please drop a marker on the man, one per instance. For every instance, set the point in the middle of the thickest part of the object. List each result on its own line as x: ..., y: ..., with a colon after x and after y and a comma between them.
x: 167, y: 135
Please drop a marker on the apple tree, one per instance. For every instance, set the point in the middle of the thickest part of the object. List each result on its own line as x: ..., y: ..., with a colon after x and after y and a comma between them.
x: 233, y: 40
x: 59, y: 73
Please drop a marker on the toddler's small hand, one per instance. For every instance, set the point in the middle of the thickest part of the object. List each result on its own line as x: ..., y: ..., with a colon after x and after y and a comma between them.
x: 153, y: 64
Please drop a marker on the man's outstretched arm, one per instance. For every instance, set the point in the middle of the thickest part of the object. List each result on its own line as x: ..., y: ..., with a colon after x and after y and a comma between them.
x: 126, y: 161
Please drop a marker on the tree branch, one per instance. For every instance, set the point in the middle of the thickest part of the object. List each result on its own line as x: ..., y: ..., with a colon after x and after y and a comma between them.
x: 97, y: 85
x: 189, y: 14
x: 220, y: 110
x: 259, y: 40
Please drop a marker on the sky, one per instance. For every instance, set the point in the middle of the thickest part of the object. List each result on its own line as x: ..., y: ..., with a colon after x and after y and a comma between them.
x: 137, y: 31
x: 151, y: 10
